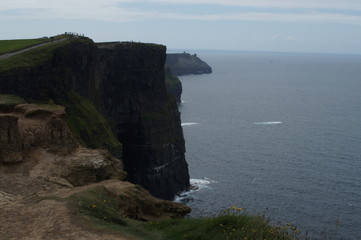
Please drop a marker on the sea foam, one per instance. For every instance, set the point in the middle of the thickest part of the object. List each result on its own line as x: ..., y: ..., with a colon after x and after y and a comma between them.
x: 189, y: 124
x: 267, y: 123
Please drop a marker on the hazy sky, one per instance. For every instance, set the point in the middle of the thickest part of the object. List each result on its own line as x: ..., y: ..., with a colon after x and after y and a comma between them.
x: 332, y: 26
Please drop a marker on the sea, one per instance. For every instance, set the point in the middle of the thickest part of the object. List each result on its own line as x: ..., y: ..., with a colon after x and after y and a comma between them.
x: 278, y: 134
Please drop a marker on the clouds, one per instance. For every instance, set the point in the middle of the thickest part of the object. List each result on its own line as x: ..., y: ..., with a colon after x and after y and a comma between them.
x: 307, y: 11
x: 304, y: 4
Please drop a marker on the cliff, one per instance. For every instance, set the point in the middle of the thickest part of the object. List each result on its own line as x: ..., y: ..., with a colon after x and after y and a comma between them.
x: 185, y: 64
x: 53, y: 188
x: 174, y: 85
x: 112, y: 89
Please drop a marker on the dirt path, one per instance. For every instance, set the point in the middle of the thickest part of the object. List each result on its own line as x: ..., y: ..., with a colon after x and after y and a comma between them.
x: 26, y: 215
x: 7, y: 55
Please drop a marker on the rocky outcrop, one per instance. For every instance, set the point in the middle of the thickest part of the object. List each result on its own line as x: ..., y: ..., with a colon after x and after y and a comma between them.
x: 30, y: 126
x: 132, y: 201
x: 185, y: 64
x: 125, y: 83
x: 10, y: 141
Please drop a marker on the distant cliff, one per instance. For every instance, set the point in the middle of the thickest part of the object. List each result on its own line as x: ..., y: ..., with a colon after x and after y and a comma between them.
x: 185, y: 64
x: 112, y: 89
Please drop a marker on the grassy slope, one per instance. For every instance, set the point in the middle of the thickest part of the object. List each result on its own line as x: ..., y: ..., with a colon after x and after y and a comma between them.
x: 35, y: 56
x: 88, y: 125
x: 100, y: 209
x: 10, y: 100
x: 7, y: 102
x: 8, y: 46
x: 30, y: 58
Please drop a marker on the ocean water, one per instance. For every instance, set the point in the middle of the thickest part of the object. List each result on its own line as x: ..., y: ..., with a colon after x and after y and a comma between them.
x: 279, y: 135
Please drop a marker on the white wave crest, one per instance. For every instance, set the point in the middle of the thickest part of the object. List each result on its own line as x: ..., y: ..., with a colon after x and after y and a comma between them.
x: 196, y: 185
x: 189, y: 124
x: 267, y: 123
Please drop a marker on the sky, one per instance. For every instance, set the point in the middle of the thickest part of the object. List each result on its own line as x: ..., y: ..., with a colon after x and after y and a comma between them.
x: 319, y: 26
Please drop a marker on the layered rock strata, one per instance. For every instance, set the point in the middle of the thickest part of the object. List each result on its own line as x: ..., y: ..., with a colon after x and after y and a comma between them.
x: 125, y: 83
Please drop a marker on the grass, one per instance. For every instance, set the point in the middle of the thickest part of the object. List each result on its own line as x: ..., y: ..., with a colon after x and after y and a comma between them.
x: 7, y: 102
x: 11, y: 100
x: 100, y: 209
x: 8, y: 46
x: 36, y: 56
x: 88, y: 125
x: 171, y: 80
x: 98, y: 204
x: 30, y: 58
x: 232, y: 224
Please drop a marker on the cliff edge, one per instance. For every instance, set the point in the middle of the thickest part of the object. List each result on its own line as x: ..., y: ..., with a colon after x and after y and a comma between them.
x: 116, y: 99
x: 51, y: 187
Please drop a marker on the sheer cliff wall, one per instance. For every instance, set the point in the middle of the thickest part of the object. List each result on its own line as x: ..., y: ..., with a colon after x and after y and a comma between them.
x: 125, y: 83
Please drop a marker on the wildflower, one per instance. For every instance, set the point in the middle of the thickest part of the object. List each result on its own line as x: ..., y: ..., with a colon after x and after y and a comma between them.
x: 93, y: 206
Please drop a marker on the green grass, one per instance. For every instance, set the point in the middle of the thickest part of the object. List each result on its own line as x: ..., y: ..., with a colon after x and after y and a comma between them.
x: 100, y: 209
x: 36, y: 56
x: 171, y: 80
x: 30, y: 58
x: 7, y: 102
x: 88, y: 125
x: 98, y: 204
x: 232, y: 224
x: 8, y: 46
x: 11, y: 100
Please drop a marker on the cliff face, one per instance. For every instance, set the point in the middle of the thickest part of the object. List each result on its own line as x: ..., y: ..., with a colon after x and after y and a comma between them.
x: 144, y: 117
x: 174, y: 85
x: 125, y: 83
x: 185, y: 64
x: 31, y: 126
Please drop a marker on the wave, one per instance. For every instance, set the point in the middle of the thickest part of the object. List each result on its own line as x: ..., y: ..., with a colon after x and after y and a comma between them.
x: 196, y: 185
x: 267, y: 123
x: 189, y: 124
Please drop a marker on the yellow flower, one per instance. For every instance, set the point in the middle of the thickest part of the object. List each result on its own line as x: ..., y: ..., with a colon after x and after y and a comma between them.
x: 93, y: 206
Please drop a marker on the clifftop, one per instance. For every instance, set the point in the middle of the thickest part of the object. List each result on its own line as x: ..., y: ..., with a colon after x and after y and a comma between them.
x: 185, y: 64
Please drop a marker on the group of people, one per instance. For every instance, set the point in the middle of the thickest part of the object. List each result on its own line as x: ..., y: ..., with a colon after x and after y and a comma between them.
x: 74, y: 34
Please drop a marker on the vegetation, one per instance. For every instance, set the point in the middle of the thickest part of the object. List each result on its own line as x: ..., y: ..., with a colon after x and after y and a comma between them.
x: 7, y: 102
x: 8, y: 46
x: 30, y: 58
x: 11, y: 100
x: 233, y: 223
x: 88, y: 125
x: 170, y: 80
x: 100, y: 209
x: 36, y: 56
x: 98, y: 204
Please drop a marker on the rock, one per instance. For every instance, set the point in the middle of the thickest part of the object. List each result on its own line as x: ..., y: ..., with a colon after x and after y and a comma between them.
x: 135, y: 202
x: 86, y: 166
x: 125, y: 83
x: 10, y: 140
x: 31, y: 126
x: 185, y: 64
